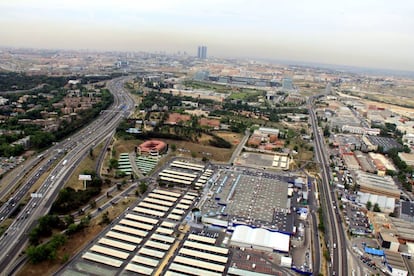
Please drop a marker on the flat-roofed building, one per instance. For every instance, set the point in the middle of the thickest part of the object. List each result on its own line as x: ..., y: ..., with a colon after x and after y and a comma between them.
x: 384, y: 161
x: 350, y: 161
x: 386, y: 204
x: 408, y: 158
x: 395, y: 263
x: 268, y: 131
x: 261, y: 239
x: 404, y: 229
x: 388, y: 241
x: 407, y: 211
x: 377, y: 185
x: 365, y: 163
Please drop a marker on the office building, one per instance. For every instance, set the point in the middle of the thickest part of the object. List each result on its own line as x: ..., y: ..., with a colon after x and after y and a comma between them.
x: 202, y: 52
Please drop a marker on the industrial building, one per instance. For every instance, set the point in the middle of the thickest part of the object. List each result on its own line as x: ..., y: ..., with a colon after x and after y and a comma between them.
x: 407, y: 211
x: 377, y: 185
x: 350, y: 161
x: 408, y: 158
x: 388, y: 241
x: 395, y: 263
x: 386, y: 204
x: 260, y: 239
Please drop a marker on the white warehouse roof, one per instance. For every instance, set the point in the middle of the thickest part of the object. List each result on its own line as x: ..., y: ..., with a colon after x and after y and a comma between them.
x: 386, y: 204
x: 259, y: 237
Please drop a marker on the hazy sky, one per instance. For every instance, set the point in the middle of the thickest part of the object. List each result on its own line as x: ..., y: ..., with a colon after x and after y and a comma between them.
x: 372, y: 33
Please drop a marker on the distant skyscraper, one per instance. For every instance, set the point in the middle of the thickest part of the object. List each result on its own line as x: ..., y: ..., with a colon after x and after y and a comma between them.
x: 202, y: 52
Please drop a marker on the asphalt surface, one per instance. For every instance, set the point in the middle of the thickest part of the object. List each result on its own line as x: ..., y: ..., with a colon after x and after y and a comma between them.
x: 334, y: 231
x: 73, y: 149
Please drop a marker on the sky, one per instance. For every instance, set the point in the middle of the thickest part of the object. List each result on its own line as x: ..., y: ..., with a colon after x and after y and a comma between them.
x: 367, y: 33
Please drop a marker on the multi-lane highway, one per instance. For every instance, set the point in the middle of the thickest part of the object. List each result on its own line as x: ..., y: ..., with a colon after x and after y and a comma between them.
x: 334, y: 231
x: 70, y: 153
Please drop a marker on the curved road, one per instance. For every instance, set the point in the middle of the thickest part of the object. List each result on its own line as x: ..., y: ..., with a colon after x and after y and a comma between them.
x: 77, y: 147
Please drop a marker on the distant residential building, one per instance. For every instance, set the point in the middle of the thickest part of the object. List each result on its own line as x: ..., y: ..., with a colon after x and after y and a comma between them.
x: 25, y: 142
x: 74, y: 82
x: 3, y: 101
x: 202, y: 52
x: 408, y: 139
x: 268, y: 131
x: 189, y: 103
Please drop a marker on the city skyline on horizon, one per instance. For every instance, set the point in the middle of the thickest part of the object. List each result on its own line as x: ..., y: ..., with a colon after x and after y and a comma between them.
x: 373, y: 34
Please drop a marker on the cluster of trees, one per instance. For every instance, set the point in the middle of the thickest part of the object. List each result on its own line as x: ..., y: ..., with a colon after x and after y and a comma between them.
x: 403, y: 169
x: 38, y: 252
x: 21, y: 81
x: 219, y: 142
x: 389, y: 130
x: 47, y: 251
x: 70, y: 200
x: 321, y: 225
x: 376, y: 207
x: 44, y: 228
x: 41, y: 139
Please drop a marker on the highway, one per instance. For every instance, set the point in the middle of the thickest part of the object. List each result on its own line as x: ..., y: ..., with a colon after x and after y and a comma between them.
x: 70, y: 153
x: 333, y: 226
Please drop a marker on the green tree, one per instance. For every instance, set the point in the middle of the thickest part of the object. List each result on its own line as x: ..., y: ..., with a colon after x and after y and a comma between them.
x: 326, y: 131
x: 105, y: 218
x: 92, y: 204
x: 369, y: 205
x: 142, y: 187
x: 113, y: 163
x: 376, y: 208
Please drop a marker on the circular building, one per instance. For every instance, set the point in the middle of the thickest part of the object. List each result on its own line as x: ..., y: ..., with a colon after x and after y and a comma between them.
x: 152, y: 148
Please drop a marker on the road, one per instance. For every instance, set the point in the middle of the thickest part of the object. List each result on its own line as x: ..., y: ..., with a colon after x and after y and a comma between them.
x: 75, y: 148
x: 334, y: 231
x: 239, y: 148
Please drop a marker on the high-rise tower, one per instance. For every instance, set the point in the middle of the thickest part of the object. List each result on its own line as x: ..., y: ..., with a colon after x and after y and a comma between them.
x: 202, y: 52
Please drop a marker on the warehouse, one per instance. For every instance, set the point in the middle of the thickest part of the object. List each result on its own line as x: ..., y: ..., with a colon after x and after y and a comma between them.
x: 259, y: 238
